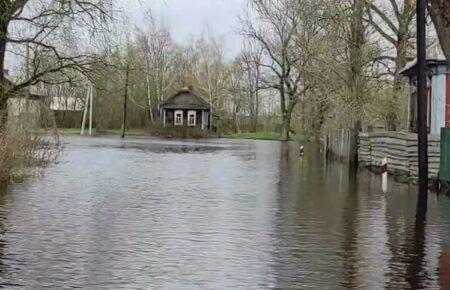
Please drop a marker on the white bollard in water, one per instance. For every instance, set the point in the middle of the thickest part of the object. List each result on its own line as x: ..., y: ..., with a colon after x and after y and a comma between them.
x: 384, y: 175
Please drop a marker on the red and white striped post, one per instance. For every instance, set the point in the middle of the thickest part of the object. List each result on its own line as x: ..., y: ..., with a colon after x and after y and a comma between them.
x: 384, y: 175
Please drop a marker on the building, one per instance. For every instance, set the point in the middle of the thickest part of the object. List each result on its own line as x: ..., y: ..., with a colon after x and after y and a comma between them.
x: 67, y: 110
x: 437, y: 97
x: 186, y: 109
x: 25, y: 105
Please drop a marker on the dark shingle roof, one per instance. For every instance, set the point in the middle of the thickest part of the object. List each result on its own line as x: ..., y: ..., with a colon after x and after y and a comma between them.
x: 185, y: 99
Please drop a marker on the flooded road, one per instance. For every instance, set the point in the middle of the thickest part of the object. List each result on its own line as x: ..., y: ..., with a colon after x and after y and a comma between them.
x: 220, y: 214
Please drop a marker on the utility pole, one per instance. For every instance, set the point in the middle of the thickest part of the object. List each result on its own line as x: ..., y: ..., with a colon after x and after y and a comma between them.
x: 91, y: 105
x: 422, y: 112
x: 125, y: 97
x: 86, y: 104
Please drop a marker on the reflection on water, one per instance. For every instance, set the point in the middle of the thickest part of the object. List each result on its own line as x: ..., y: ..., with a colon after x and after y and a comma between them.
x: 131, y: 214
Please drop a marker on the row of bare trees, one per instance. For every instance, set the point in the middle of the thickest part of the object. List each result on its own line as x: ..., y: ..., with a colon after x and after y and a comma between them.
x: 340, y: 60
x: 315, y: 53
x: 331, y: 63
x: 48, y: 39
x: 159, y: 66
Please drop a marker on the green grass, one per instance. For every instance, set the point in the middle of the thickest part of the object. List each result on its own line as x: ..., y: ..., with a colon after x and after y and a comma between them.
x: 265, y: 136
x: 69, y: 131
x: 143, y: 132
x: 129, y: 132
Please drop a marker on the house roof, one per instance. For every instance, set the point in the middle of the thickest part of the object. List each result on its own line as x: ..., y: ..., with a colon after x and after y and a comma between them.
x: 32, y: 92
x: 410, y: 68
x: 185, y: 99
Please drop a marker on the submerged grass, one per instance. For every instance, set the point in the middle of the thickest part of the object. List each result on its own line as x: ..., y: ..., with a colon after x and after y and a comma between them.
x: 267, y: 136
x: 128, y: 132
x: 174, y: 133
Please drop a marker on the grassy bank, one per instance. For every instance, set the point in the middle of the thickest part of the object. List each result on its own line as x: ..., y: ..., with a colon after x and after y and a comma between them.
x: 266, y: 136
x: 130, y: 132
x: 143, y: 133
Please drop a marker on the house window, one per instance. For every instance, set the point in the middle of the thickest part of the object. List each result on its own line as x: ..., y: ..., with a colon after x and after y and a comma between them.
x: 192, y: 118
x: 178, y: 118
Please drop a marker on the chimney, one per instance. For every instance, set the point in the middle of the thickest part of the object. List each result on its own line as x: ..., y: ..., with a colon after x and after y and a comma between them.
x: 189, y: 89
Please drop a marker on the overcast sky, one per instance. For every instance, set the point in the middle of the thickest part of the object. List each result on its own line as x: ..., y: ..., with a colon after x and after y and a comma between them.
x: 188, y: 18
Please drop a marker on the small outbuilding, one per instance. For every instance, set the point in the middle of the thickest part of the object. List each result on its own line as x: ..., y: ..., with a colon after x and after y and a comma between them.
x: 186, y: 109
x: 25, y: 105
x: 437, y: 96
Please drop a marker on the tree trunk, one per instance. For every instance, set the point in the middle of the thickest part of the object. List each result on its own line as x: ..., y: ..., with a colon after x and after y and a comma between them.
x: 285, y: 119
x: 440, y: 14
x: 149, y: 98
x: 356, y: 46
x: 255, y: 121
x: 125, y: 98
x: 211, y: 111
x: 3, y: 82
x: 285, y: 126
x: 401, y: 48
x: 235, y: 122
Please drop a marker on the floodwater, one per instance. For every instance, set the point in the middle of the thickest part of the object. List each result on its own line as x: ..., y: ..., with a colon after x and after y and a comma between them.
x: 220, y: 214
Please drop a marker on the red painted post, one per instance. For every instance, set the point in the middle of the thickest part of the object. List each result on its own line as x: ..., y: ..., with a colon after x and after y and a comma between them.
x: 384, y: 175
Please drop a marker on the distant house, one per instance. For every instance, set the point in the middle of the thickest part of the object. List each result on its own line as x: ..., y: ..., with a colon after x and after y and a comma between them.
x: 25, y: 105
x: 437, y: 97
x: 186, y: 109
x: 67, y: 110
x: 65, y: 103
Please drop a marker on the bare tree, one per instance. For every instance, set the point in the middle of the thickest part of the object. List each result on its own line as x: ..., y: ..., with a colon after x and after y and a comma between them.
x: 276, y: 29
x: 338, y: 69
x: 211, y: 75
x: 356, y: 45
x: 440, y: 14
x: 236, y: 87
x: 47, y: 27
x: 251, y: 59
x: 393, y: 20
x: 161, y: 60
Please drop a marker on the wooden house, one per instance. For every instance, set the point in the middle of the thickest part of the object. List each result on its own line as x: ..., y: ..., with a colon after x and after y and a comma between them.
x: 186, y: 109
x: 437, y: 97
x: 25, y: 105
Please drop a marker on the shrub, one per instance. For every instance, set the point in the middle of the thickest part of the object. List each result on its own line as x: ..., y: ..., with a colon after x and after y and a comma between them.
x: 23, y: 148
x: 180, y: 132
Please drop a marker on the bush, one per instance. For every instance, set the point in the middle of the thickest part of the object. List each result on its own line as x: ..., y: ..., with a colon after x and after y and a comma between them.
x: 179, y: 132
x: 22, y: 149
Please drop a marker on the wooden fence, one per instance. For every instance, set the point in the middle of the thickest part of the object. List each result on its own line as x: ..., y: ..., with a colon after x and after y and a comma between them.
x: 400, y: 148
x: 342, y: 145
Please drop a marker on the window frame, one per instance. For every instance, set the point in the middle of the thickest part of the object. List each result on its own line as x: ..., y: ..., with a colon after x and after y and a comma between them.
x: 175, y: 118
x: 192, y: 113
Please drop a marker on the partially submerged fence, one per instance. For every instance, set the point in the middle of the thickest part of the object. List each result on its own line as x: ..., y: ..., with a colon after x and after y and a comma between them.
x: 400, y: 148
x: 342, y: 144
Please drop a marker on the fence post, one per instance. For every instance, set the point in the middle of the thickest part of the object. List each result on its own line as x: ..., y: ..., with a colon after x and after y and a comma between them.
x: 384, y: 175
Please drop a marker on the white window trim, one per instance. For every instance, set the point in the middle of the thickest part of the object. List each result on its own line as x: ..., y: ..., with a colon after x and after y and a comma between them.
x: 175, y: 118
x: 192, y: 113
